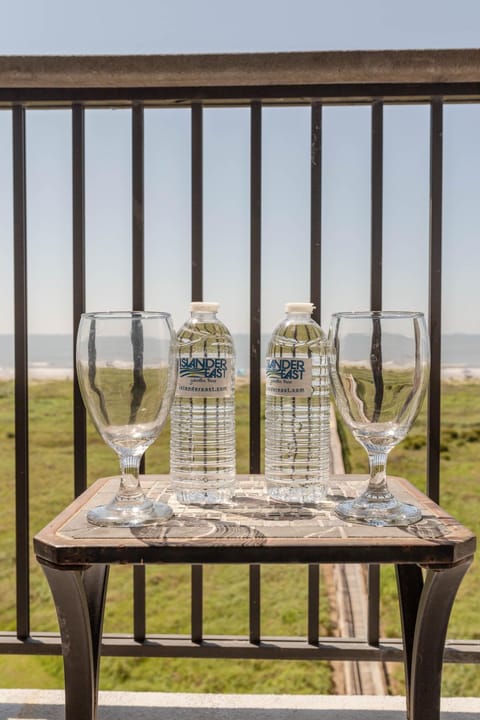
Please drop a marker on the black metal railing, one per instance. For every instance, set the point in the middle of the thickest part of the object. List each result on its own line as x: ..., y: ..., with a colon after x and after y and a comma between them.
x: 314, y: 80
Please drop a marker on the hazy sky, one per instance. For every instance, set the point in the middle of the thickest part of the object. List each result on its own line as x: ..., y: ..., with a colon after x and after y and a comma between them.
x: 187, y: 26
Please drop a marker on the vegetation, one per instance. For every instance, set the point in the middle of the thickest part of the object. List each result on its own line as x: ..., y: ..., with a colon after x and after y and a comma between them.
x: 460, y: 454
x: 168, y: 588
x: 226, y: 587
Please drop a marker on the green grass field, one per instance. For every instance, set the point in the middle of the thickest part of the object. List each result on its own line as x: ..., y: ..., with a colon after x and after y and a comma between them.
x: 459, y: 468
x: 168, y: 600
x: 226, y: 587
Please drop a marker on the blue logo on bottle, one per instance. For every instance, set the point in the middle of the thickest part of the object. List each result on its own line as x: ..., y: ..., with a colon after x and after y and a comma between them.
x: 202, y: 367
x: 285, y: 369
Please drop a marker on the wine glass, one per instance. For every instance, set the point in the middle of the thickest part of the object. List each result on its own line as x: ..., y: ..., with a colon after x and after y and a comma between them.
x: 379, y: 367
x: 127, y: 373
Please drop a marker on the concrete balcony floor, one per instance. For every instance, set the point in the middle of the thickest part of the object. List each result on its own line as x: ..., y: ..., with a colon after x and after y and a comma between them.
x: 48, y: 705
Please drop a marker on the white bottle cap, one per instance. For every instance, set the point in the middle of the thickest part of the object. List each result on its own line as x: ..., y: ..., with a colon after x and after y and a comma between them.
x: 299, y: 308
x: 204, y: 307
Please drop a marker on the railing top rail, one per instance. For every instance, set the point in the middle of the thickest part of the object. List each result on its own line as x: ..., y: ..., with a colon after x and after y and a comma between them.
x: 236, y: 79
x: 241, y: 69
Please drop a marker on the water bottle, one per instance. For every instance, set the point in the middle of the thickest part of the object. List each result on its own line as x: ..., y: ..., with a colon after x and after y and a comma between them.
x: 202, y: 445
x: 297, y: 409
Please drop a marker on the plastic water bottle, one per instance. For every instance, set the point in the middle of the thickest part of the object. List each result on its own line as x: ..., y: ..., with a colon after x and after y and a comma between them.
x: 202, y: 445
x: 297, y: 409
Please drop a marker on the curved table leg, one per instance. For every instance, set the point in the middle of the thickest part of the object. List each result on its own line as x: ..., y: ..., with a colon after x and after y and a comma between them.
x: 79, y: 597
x: 410, y: 587
x: 425, y: 607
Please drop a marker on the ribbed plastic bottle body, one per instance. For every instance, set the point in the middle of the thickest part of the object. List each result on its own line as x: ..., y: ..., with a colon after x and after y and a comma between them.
x: 297, y: 412
x: 202, y: 441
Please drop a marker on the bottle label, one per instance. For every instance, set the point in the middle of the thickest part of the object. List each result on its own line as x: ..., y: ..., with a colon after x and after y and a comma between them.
x: 200, y: 376
x: 289, y: 376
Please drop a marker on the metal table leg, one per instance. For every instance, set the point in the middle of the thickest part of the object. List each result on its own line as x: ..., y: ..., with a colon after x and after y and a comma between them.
x: 425, y: 606
x: 79, y: 597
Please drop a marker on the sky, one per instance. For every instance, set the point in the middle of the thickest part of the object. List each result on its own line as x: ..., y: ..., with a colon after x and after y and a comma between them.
x: 187, y: 26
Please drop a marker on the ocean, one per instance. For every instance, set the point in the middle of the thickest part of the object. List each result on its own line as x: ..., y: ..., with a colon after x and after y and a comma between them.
x: 55, y: 352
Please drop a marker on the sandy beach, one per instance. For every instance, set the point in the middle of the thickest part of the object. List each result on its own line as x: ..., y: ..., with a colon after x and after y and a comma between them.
x: 39, y: 373
x: 458, y: 374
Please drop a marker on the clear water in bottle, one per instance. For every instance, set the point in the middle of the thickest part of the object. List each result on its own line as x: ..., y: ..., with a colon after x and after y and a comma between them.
x: 202, y: 444
x: 297, y: 409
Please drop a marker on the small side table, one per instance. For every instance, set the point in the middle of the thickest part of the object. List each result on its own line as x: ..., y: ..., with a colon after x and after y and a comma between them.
x: 76, y: 557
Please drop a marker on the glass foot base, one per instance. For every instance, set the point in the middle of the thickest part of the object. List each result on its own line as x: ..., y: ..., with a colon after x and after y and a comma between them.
x: 117, y: 514
x: 390, y: 512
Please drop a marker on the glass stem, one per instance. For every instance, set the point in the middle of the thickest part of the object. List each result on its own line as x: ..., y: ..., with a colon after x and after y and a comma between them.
x: 377, y: 485
x: 130, y: 481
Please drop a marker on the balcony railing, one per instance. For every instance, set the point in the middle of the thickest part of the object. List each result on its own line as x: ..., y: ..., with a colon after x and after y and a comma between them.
x: 310, y: 80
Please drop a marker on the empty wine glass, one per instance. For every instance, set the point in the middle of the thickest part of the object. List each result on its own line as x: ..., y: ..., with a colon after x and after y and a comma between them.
x: 379, y: 367
x: 127, y: 373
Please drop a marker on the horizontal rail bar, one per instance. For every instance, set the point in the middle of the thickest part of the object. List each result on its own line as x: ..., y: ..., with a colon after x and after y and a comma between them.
x: 248, y: 69
x: 270, y: 648
x: 227, y: 95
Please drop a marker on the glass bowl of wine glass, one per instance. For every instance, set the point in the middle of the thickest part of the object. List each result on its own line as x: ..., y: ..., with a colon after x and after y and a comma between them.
x: 379, y: 369
x: 126, y: 372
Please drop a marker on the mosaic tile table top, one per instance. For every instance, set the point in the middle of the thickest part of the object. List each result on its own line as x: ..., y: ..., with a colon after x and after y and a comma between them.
x: 262, y: 530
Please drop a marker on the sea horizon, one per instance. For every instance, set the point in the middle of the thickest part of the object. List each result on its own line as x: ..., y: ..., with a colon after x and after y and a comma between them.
x: 51, y: 355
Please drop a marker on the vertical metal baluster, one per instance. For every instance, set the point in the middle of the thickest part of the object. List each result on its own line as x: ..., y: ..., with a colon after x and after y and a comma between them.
x: 197, y: 603
x: 255, y: 339
x: 21, y: 374
x: 373, y: 617
x: 78, y: 223
x: 316, y: 211
x: 376, y: 284
x: 313, y: 603
x: 255, y: 282
x: 138, y: 303
x: 435, y: 299
x: 139, y: 603
x: 254, y: 604
x: 197, y: 295
x: 377, y: 207
x: 197, y: 202
x: 138, y: 210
